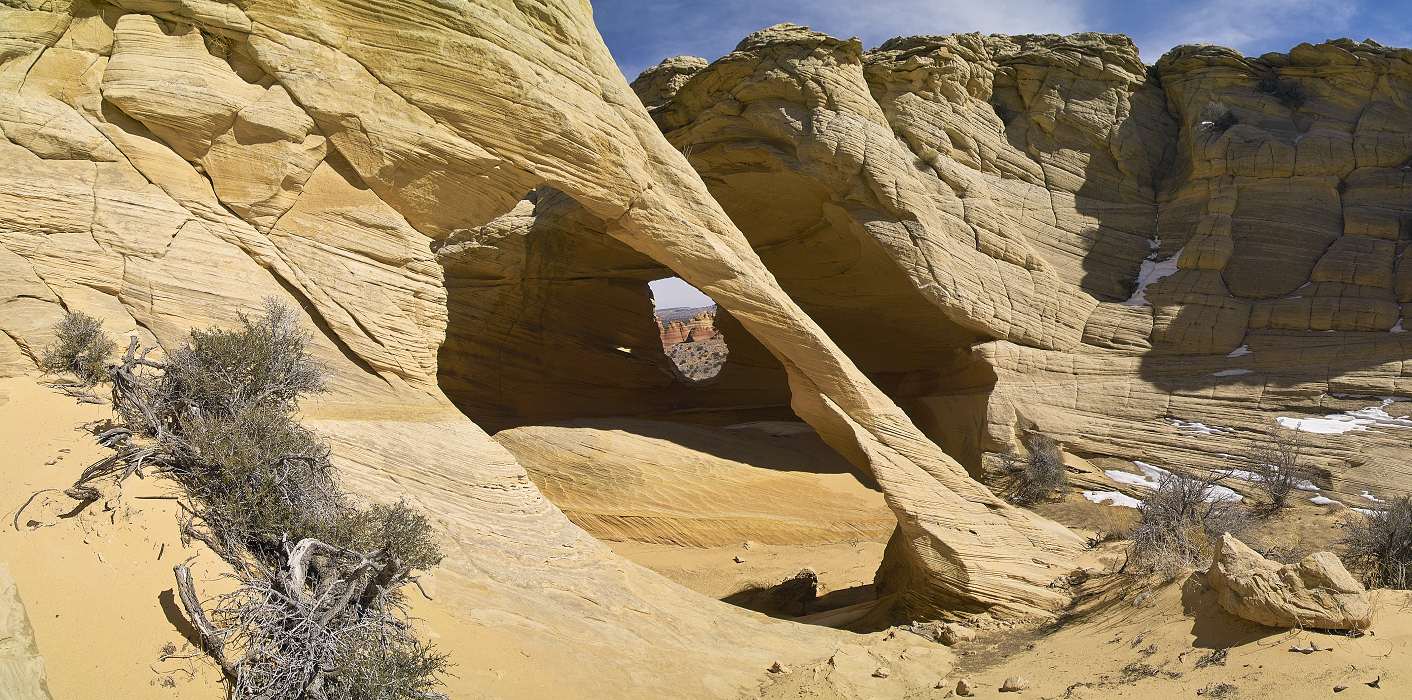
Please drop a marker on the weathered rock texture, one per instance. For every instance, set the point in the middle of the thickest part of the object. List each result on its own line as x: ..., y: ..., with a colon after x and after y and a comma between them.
x: 1316, y: 593
x: 165, y: 164
x: 467, y: 201
x: 1042, y: 233
x: 699, y: 486
x: 21, y: 666
x: 686, y: 325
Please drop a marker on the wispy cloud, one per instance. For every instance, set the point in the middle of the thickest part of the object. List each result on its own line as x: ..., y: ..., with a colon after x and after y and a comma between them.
x: 1252, y: 27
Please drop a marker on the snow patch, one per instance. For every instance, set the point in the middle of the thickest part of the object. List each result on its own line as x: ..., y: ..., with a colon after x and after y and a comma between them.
x: 1368, y: 495
x: 1397, y: 327
x: 1152, y: 475
x: 1151, y: 271
x: 1113, y: 498
x: 1198, y: 428
x: 1367, y: 511
x: 1348, y: 421
x: 1324, y: 501
x: 1241, y: 351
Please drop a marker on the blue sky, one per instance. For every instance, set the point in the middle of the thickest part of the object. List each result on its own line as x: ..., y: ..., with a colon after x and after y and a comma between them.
x: 641, y: 32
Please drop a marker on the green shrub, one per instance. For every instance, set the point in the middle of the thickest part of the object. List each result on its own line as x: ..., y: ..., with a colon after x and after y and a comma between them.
x: 80, y: 348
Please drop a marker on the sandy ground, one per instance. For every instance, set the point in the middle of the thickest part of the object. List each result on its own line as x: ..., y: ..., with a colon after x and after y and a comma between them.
x: 98, y: 583
x: 845, y: 570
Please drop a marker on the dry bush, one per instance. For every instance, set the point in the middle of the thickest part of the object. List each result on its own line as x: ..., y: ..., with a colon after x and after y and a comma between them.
x: 1279, y: 467
x: 317, y: 611
x: 1379, y: 546
x: 1180, y: 523
x: 80, y: 349
x: 1038, y: 475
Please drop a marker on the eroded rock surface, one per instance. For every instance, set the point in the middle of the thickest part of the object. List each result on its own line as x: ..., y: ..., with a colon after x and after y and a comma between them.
x: 21, y: 666
x: 1316, y: 593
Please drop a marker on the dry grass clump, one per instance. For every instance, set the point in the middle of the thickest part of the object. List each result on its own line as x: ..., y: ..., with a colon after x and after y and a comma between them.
x: 80, y: 349
x: 1379, y: 546
x: 1279, y: 468
x: 318, y: 610
x: 1038, y: 475
x: 1181, y: 522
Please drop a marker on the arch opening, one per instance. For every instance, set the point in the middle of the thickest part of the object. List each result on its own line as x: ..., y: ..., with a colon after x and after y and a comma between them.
x: 555, y: 345
x: 686, y: 321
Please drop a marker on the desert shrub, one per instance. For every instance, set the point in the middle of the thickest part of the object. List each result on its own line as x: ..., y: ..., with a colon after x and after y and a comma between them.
x: 1039, y: 474
x: 1279, y: 467
x: 264, y: 362
x: 317, y: 612
x: 1379, y: 546
x: 80, y: 349
x: 1288, y: 92
x: 1180, y: 523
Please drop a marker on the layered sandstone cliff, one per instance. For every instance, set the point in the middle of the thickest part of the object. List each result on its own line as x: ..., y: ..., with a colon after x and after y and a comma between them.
x: 946, y: 240
x: 1041, y: 232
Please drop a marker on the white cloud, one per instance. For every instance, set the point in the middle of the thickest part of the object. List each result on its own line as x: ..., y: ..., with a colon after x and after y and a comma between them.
x: 1249, y: 26
x: 880, y: 20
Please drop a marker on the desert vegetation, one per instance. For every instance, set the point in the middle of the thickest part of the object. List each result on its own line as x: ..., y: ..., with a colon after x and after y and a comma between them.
x: 318, y: 607
x: 1180, y: 523
x: 1037, y: 475
x: 80, y: 349
x: 1279, y: 468
x: 1379, y: 546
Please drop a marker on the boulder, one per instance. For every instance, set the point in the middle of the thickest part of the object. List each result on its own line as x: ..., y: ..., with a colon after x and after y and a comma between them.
x: 1316, y: 593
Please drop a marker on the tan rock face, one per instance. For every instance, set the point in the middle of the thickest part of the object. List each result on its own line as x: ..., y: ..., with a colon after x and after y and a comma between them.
x: 21, y: 666
x: 167, y: 164
x: 1316, y: 593
x: 469, y: 209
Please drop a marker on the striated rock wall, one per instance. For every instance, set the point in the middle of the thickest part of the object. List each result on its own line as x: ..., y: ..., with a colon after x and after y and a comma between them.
x: 686, y: 325
x: 1040, y: 232
x: 167, y: 163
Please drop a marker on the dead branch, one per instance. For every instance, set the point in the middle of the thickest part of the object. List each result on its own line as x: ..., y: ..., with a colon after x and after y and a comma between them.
x: 210, y: 639
x: 28, y: 501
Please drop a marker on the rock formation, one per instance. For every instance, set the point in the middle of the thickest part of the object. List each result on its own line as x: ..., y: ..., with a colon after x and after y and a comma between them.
x: 936, y: 244
x: 686, y: 325
x: 21, y: 667
x: 1316, y: 593
x: 167, y: 164
x: 1046, y: 234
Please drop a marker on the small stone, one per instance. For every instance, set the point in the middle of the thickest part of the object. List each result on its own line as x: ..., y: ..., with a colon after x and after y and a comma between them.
x: 964, y: 688
x: 749, y: 544
x: 1340, y: 688
x: 953, y: 634
x: 1014, y: 684
x: 738, y: 560
x: 778, y: 667
x: 881, y: 672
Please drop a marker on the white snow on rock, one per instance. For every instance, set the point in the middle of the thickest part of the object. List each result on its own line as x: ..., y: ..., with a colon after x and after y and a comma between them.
x: 1241, y: 474
x: 1397, y: 327
x: 1240, y: 351
x: 1348, y: 421
x: 1152, y: 270
x: 1152, y: 475
x: 1369, y: 495
x: 1113, y: 498
x: 1324, y: 501
x: 1198, y: 428
x: 1231, y: 373
x: 1367, y: 511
